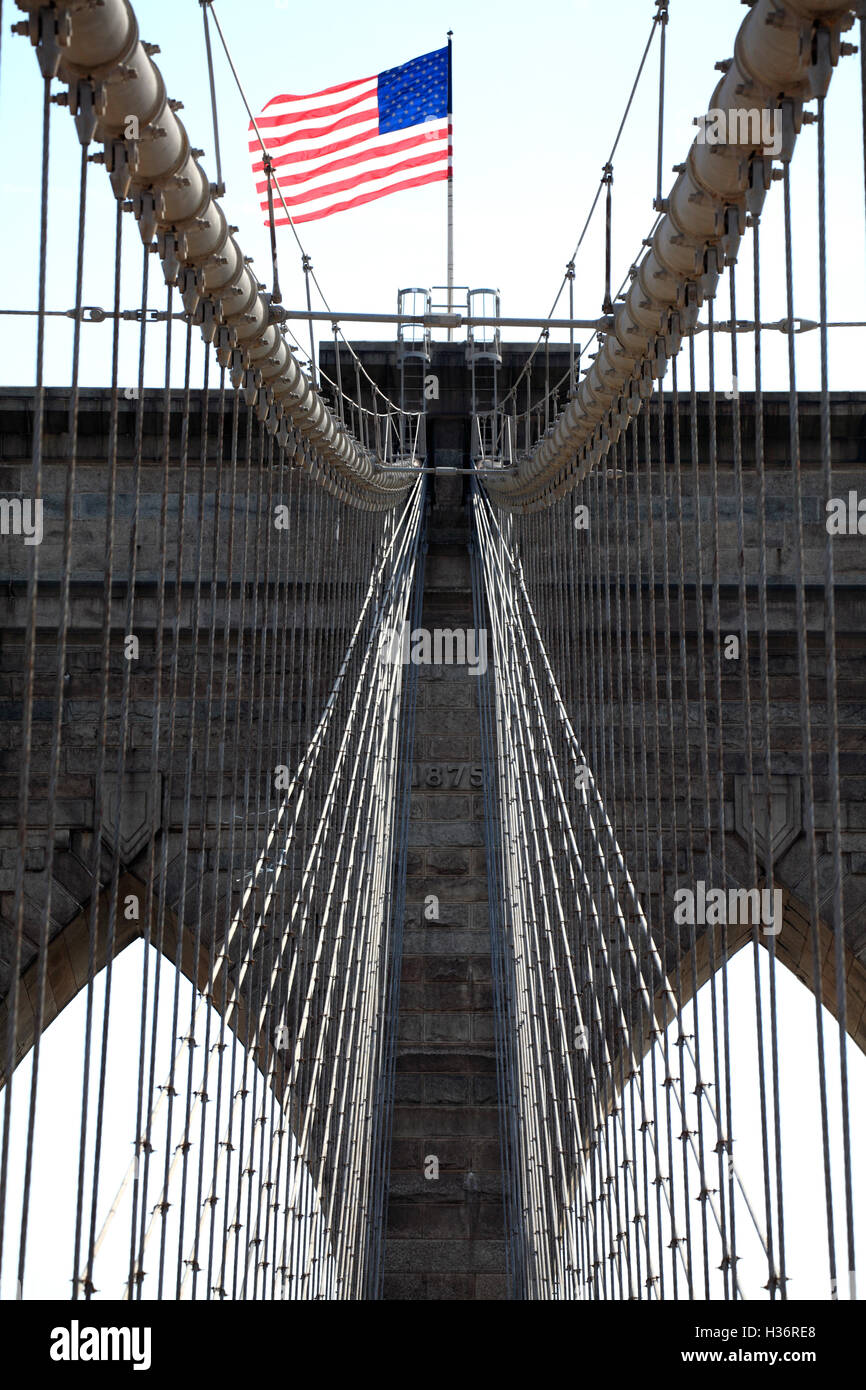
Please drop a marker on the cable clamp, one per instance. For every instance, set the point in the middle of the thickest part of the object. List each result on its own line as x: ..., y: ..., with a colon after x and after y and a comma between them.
x: 191, y: 285
x: 263, y: 404
x: 251, y: 385
x: 792, y: 123
x: 823, y: 47
x: 712, y: 272
x: 674, y: 335
x: 659, y: 364
x: 734, y: 227
x: 147, y: 207
x: 172, y: 250
x: 88, y: 101
x: 49, y: 31
x: 206, y: 317
x: 121, y: 161
x: 690, y: 305
x: 238, y: 363
x: 760, y: 178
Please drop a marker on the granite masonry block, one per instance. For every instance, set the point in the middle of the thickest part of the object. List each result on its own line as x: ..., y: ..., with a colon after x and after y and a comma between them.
x: 439, y: 969
x: 445, y: 806
x: 490, y: 1287
x: 443, y: 1027
x: 483, y: 1027
x: 450, y: 862
x: 432, y: 1123
x: 444, y: 1059
x: 461, y: 890
x: 450, y: 696
x: 444, y: 941
x: 410, y: 1027
x: 486, y: 1156
x: 448, y: 1187
x: 454, y: 748
x: 445, y: 833
x: 448, y: 1090
x: 449, y: 994
x: 446, y: 1221
x: 409, y: 1089
x: 438, y: 997
x: 444, y: 720
x: 405, y: 1220
x: 407, y: 1155
x: 432, y: 1288
x: 412, y: 968
x: 451, y: 915
x: 439, y: 1256
x: 485, y: 1090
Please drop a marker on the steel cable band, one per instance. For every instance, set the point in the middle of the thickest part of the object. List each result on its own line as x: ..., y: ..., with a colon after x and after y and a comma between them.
x: 781, y: 60
x: 117, y: 96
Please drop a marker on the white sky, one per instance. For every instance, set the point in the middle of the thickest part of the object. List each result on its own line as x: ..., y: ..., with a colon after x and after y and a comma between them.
x: 536, y: 108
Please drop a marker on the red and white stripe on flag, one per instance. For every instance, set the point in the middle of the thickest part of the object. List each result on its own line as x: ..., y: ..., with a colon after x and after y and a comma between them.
x: 329, y: 153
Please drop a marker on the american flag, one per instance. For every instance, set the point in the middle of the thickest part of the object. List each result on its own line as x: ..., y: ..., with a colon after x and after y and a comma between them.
x: 349, y: 144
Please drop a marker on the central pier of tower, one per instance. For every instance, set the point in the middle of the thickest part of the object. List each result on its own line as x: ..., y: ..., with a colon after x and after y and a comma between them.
x: 445, y: 1236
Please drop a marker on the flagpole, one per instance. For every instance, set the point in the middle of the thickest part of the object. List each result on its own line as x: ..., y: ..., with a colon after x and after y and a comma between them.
x: 450, y: 193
